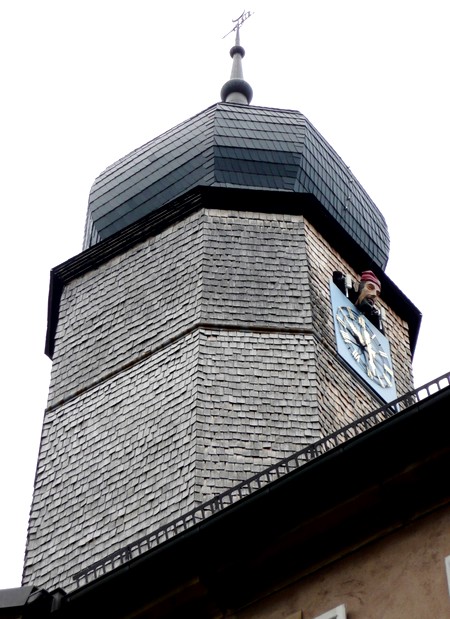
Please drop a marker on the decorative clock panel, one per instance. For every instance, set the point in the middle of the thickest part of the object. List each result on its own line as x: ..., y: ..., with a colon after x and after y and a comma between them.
x: 362, y: 346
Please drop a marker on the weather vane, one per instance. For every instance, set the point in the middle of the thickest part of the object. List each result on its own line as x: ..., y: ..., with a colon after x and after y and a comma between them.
x: 239, y: 21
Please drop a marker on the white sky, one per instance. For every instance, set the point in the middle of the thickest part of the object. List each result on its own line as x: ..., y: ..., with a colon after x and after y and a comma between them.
x: 83, y: 83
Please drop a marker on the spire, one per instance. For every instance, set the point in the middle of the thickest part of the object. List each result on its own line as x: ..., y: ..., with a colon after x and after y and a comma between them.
x: 237, y: 90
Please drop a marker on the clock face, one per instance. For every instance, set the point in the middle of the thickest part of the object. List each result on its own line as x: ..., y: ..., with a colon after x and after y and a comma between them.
x: 362, y: 346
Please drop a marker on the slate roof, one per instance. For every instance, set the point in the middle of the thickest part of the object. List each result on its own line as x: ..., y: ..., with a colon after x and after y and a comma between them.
x: 230, y: 145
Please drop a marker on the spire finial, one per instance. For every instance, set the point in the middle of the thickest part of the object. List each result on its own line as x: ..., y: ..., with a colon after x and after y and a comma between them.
x: 237, y: 90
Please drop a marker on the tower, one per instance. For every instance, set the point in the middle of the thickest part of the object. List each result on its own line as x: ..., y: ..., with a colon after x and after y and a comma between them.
x: 193, y: 340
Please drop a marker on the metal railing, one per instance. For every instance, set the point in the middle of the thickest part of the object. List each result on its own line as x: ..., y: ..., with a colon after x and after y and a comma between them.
x: 258, y: 481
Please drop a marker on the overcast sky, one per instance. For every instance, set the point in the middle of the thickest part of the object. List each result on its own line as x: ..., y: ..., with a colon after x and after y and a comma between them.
x: 83, y: 83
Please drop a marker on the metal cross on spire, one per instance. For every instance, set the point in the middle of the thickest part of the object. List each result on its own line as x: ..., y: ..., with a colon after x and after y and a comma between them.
x: 238, y: 22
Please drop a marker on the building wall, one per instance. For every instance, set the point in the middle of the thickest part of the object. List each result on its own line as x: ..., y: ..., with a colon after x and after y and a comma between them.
x: 127, y: 308
x: 113, y: 463
x: 190, y: 362
x: 400, y: 575
x: 181, y: 367
x: 256, y: 270
x: 257, y: 404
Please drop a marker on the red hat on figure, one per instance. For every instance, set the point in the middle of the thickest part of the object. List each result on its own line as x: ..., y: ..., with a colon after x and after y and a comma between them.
x: 369, y: 276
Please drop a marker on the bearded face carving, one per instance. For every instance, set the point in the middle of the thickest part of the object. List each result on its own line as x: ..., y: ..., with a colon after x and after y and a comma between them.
x: 368, y: 292
x: 365, y: 297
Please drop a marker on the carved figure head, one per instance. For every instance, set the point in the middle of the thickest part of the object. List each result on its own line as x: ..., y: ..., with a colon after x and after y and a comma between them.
x: 369, y: 290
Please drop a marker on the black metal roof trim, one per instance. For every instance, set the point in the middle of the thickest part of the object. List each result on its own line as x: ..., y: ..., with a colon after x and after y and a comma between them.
x: 260, y: 481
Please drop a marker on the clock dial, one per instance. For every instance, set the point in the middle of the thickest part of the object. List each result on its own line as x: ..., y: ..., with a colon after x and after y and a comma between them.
x: 364, y: 346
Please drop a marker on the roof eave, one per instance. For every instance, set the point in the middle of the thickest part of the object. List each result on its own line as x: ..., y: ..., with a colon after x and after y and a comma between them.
x: 262, y: 541
x: 256, y: 200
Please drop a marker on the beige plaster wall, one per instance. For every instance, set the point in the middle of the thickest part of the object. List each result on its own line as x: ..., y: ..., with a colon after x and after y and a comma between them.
x: 401, y: 576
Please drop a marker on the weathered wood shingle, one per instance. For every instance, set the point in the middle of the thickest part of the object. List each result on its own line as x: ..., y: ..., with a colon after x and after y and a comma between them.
x: 190, y: 361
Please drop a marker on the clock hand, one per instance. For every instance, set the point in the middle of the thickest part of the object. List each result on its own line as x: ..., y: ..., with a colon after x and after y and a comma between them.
x: 368, y: 349
x: 366, y: 335
x: 371, y: 353
x: 357, y: 333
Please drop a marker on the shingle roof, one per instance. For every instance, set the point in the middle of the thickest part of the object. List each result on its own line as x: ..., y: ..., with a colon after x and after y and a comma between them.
x: 231, y: 145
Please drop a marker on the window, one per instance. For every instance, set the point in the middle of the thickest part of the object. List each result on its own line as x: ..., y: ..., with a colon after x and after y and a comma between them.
x: 447, y: 568
x: 336, y: 613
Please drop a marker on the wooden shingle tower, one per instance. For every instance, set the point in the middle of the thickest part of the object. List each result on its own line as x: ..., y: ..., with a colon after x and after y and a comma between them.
x: 194, y: 340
